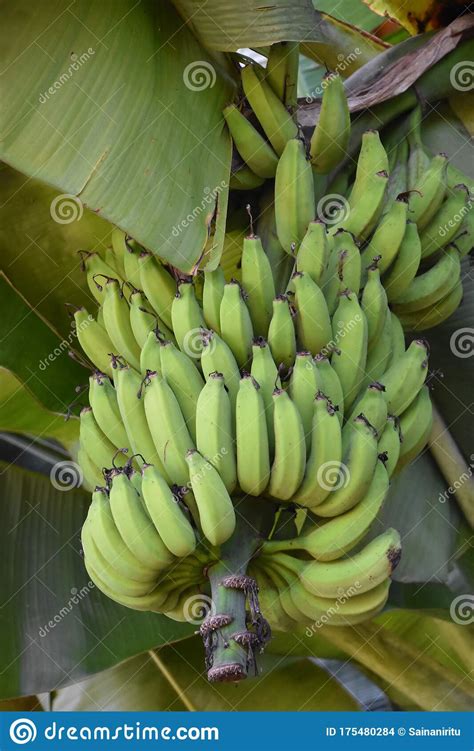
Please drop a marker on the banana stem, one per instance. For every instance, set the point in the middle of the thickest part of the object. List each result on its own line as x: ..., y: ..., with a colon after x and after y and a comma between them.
x: 232, y: 633
x: 452, y: 465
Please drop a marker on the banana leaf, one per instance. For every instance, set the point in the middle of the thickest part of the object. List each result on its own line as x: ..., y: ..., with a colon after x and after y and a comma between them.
x: 110, y: 112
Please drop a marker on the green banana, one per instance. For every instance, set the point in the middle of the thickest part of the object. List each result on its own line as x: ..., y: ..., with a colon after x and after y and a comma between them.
x: 92, y: 476
x: 135, y: 526
x: 290, y: 449
x: 150, y: 356
x: 271, y: 113
x: 168, y: 428
x: 294, y: 195
x: 117, y: 323
x: 215, y: 431
x: 281, y: 332
x: 403, y: 270
x: 94, y: 340
x: 303, y: 388
x: 379, y: 356
x: 446, y: 223
x: 282, y: 71
x: 386, y: 241
x: 415, y: 426
x: 242, y: 178
x: 217, y: 357
x: 330, y: 137
x: 390, y: 443
x: 372, y: 158
x: 170, y: 522
x: 405, y: 377
x: 128, y: 384
x: 181, y: 373
x: 253, y: 455
x: 358, y: 466
x: 265, y: 373
x: 313, y: 253
x: 329, y: 384
x: 432, y: 285
x: 213, y: 291
x: 372, y: 405
x: 365, y: 569
x: 187, y: 320
x: 323, y: 464
x: 374, y: 304
x: 158, y: 285
x: 436, y: 314
x: 236, y: 324
x: 252, y: 147
x: 343, y: 270
x: 313, y: 323
x: 95, y: 266
x: 103, y: 400
x: 428, y: 193
x: 350, y: 338
x: 418, y: 161
x: 142, y: 321
x: 96, y: 444
x: 215, y: 506
x: 364, y: 212
x: 257, y: 281
x: 398, y: 341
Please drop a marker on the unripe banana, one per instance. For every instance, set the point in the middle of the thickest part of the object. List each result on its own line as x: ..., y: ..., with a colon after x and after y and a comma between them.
x: 217, y: 357
x: 215, y: 431
x: 379, y: 356
x: 150, y: 356
x: 398, y: 340
x: 324, y: 459
x: 94, y: 340
x: 432, y: 285
x: 372, y: 405
x: 434, y: 315
x: 313, y: 253
x: 282, y: 71
x: 415, y: 425
x: 313, y: 324
x: 303, y: 389
x: 213, y: 291
x: 350, y: 337
x: 242, y: 178
x: 281, y: 332
x: 403, y: 270
x: 390, y: 443
x: 294, y: 195
x: 446, y: 223
x: 265, y: 372
x: 158, y: 285
x: 330, y: 137
x: 182, y: 375
x: 103, y: 400
x: 329, y: 384
x: 102, y: 451
x: 236, y: 324
x: 97, y: 270
x: 364, y: 213
x: 280, y: 261
x: 131, y: 265
x: 128, y: 384
x: 91, y: 472
x: 215, y: 505
x: 163, y: 507
x: 358, y: 466
x: 252, y: 147
x: 257, y: 280
x: 372, y: 158
x: 366, y: 569
x: 253, y: 455
x: 290, y: 449
x: 135, y: 526
x: 168, y: 428
x: 387, y: 238
x: 405, y: 377
x: 275, y: 120
x: 117, y: 322
x: 187, y: 320
x: 428, y: 193
x: 343, y: 270
x: 338, y: 536
x: 142, y: 321
x: 111, y: 544
x: 374, y: 305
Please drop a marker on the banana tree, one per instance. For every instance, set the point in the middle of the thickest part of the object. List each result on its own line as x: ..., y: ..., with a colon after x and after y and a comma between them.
x: 205, y: 188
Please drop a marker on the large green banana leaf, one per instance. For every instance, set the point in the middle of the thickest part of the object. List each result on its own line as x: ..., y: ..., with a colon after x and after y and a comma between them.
x: 173, y: 679
x: 116, y: 103
x: 55, y: 626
